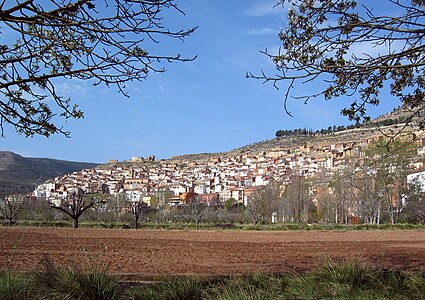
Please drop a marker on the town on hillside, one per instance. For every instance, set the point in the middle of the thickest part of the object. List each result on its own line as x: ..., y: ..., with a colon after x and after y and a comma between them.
x: 238, y: 175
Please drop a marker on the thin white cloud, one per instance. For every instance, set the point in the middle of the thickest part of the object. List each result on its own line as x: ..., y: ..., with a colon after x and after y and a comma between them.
x: 67, y: 89
x: 365, y: 50
x: 263, y: 8
x: 163, y: 89
x: 136, y: 144
x: 261, y: 31
x: 240, y: 64
x: 253, y: 60
x: 72, y: 89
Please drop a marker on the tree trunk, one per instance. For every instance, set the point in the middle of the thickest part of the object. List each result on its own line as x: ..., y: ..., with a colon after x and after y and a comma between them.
x: 136, y: 222
x: 392, y: 215
x: 336, y: 214
x: 75, y: 222
x: 10, y: 223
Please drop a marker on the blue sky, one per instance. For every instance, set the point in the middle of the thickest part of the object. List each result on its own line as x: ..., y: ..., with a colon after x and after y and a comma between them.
x: 202, y: 106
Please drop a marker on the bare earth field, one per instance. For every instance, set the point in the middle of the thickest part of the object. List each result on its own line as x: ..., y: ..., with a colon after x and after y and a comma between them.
x: 151, y: 253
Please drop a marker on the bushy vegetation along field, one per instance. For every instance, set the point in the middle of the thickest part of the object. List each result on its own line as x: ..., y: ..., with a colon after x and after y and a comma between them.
x: 330, y: 280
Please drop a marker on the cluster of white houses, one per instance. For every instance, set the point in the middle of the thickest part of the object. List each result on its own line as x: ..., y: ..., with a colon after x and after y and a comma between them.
x: 213, y: 180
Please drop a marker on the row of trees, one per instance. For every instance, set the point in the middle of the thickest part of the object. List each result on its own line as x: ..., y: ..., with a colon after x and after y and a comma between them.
x: 305, y: 131
x: 74, y: 206
x: 375, y: 190
x: 351, y: 199
x: 115, y: 209
x: 370, y: 187
x: 334, y: 128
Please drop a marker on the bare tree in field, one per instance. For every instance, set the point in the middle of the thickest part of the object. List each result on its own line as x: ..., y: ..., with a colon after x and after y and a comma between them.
x: 297, y: 200
x: 76, y: 203
x: 373, y: 190
x: 44, y: 43
x: 136, y: 207
x: 388, y: 164
x: 11, y: 206
x: 259, y: 209
x: 117, y: 207
x: 344, y: 184
x: 193, y: 211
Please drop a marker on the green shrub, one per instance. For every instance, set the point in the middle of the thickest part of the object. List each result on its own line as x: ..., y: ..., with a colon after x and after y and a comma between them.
x: 74, y: 283
x: 330, y: 280
x: 353, y: 274
x: 33, y: 223
x: 14, y: 286
x: 415, y: 286
x: 168, y: 289
x: 258, y: 286
x: 354, y: 280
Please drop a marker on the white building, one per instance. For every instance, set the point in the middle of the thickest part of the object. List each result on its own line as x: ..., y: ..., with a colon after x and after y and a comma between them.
x: 419, y: 177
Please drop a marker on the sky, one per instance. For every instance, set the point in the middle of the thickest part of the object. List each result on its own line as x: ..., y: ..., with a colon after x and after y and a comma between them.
x: 203, y: 106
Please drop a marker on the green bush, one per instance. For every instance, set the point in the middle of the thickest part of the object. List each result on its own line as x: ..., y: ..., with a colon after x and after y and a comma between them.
x: 75, y: 283
x: 353, y: 274
x: 208, y: 226
x: 259, y: 286
x: 44, y: 223
x: 168, y: 289
x: 354, y: 280
x: 14, y: 286
x: 330, y: 280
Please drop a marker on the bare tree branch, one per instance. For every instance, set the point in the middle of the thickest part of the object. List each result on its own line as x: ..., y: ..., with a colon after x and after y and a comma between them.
x: 76, y: 203
x: 327, y: 41
x: 107, y: 42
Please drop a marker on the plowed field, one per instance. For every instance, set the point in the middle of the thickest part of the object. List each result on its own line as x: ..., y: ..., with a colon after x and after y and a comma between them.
x: 205, y: 253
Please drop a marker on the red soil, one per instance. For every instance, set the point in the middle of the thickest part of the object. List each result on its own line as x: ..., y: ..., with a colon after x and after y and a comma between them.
x: 147, y: 253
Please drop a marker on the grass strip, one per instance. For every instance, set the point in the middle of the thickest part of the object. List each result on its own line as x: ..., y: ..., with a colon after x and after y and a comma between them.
x: 330, y: 280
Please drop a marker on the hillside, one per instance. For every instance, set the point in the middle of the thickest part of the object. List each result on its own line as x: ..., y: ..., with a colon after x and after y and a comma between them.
x: 21, y: 174
x: 389, y: 124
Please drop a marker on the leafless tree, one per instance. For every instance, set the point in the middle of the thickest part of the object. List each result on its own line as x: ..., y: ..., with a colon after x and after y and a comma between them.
x: 118, y: 207
x: 11, y: 206
x: 373, y: 189
x: 265, y: 198
x: 387, y: 164
x: 76, y: 203
x: 326, y: 41
x: 108, y: 42
x: 345, y: 193
x: 194, y: 211
x: 297, y: 200
x: 136, y: 207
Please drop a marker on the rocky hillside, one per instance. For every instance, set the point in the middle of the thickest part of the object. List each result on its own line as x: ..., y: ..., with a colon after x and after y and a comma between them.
x: 389, y: 124
x: 21, y: 174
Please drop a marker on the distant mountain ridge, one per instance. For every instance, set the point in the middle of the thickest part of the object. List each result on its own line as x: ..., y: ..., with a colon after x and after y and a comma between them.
x: 22, y: 174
